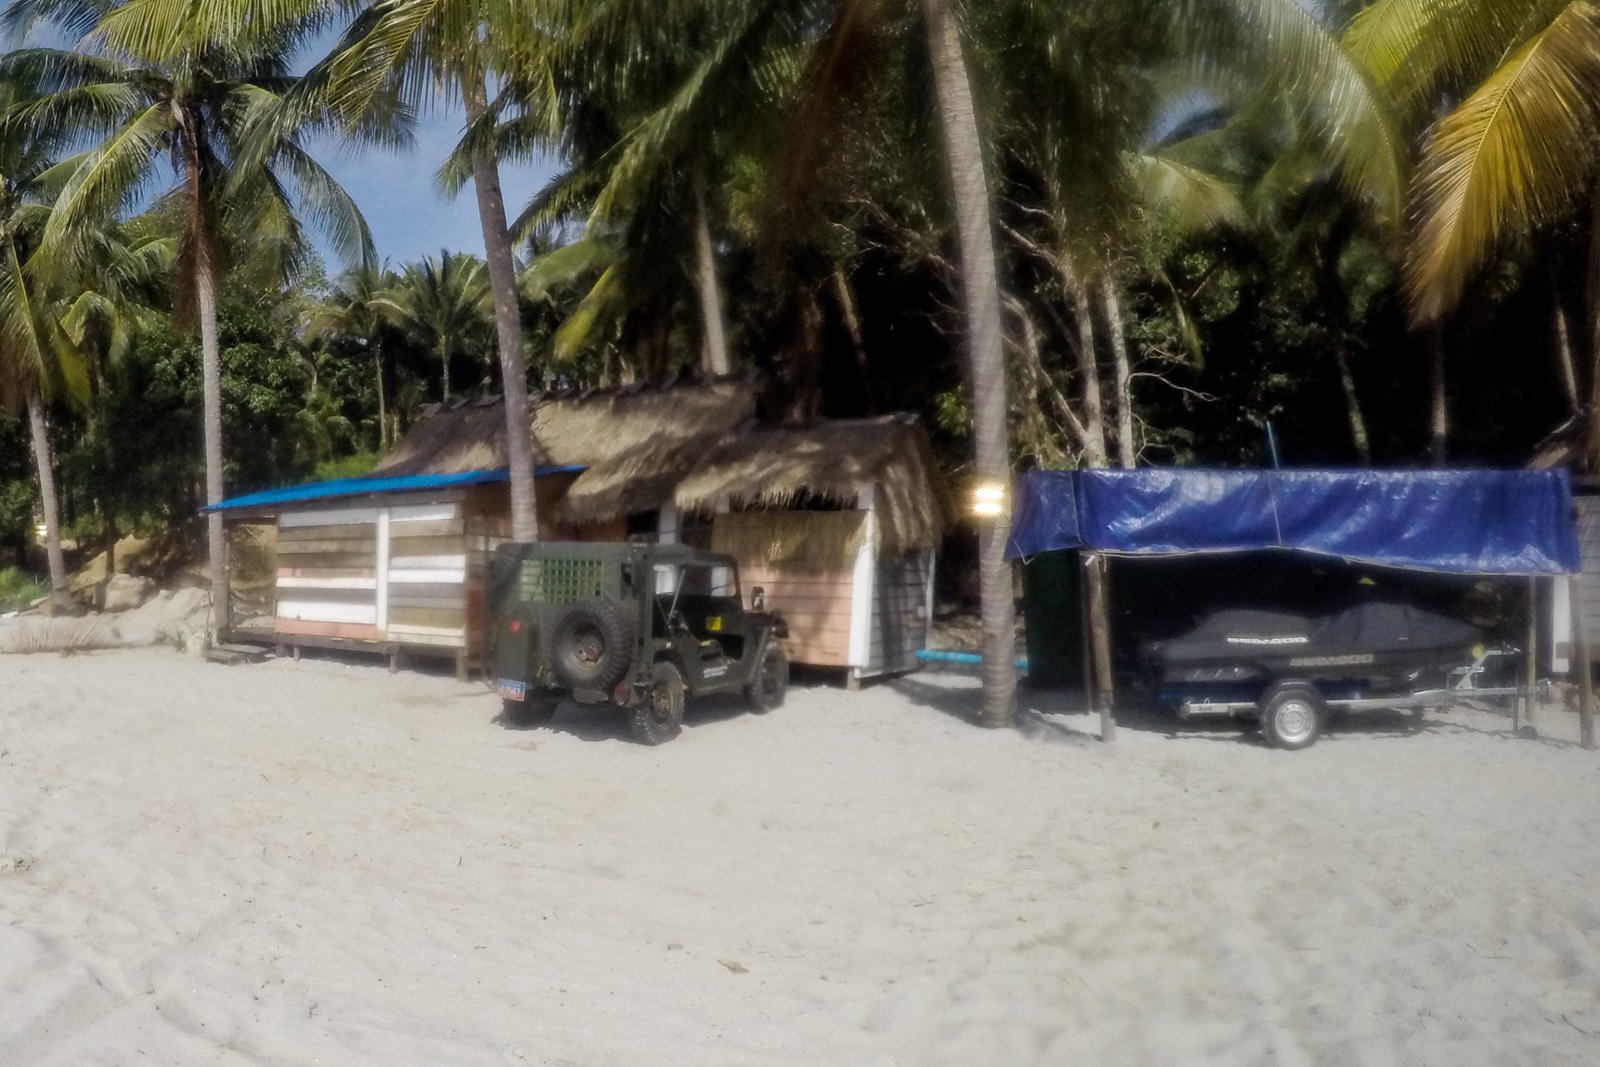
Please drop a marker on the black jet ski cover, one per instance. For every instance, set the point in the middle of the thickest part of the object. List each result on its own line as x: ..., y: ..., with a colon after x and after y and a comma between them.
x: 1375, y: 632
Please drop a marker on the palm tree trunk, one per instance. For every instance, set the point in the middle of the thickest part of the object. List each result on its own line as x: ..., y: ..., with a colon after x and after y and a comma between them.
x: 714, y: 359
x: 1352, y: 406
x: 1566, y: 366
x: 852, y: 326
x: 444, y: 363
x: 205, y: 298
x: 1593, y: 443
x: 985, y: 354
x: 205, y: 291
x: 507, y: 321
x: 383, y: 420
x: 1439, y: 420
x: 47, y: 499
x: 1111, y: 301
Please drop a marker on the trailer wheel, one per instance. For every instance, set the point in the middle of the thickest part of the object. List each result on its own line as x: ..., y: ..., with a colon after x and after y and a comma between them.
x: 659, y: 717
x: 591, y: 644
x: 1292, y: 714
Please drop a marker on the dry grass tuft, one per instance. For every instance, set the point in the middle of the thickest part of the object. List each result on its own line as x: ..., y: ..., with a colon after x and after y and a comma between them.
x: 66, y: 636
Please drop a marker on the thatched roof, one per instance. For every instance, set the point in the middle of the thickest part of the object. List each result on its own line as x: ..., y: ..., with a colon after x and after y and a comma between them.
x: 467, y: 435
x: 693, y: 443
x: 637, y: 443
x: 832, y: 460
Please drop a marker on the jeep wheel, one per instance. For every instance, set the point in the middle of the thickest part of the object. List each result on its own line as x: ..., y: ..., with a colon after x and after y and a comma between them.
x: 1292, y: 714
x: 591, y: 644
x: 766, y: 690
x: 659, y: 717
x: 536, y: 710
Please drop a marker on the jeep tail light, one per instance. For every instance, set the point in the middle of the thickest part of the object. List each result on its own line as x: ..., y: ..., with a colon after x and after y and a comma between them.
x: 515, y: 626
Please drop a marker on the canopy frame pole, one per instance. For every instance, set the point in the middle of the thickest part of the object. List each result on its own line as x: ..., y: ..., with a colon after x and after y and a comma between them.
x: 1522, y: 707
x: 1104, y: 691
x: 1581, y: 662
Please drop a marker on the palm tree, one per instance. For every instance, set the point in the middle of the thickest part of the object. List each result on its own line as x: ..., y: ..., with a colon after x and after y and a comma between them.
x: 807, y: 51
x: 1514, y: 148
x: 445, y: 305
x: 37, y: 361
x: 167, y: 90
x: 428, y: 51
x: 351, y: 310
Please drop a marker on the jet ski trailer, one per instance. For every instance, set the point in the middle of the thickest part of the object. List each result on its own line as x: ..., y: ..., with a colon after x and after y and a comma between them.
x: 1481, y: 522
x: 1290, y: 669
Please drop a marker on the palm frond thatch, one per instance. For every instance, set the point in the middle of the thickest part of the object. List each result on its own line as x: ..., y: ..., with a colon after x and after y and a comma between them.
x: 834, y: 461
x: 636, y: 443
x: 469, y: 435
x: 791, y: 540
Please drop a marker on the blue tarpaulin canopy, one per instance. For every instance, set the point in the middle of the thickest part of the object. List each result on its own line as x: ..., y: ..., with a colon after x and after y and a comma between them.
x: 1460, y: 522
x: 408, y: 483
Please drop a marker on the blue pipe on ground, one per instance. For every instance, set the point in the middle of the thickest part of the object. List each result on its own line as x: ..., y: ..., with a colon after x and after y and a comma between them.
x: 964, y: 659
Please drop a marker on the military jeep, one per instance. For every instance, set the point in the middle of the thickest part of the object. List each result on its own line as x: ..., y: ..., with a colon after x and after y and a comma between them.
x: 637, y: 626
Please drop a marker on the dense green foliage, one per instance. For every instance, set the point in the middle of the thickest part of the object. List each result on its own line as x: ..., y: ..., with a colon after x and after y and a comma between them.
x: 1197, y: 238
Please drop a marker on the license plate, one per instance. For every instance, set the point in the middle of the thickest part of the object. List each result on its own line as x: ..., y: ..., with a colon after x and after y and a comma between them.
x: 511, y: 690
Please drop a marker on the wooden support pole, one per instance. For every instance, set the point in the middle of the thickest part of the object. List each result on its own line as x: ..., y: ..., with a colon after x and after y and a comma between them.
x: 1581, y: 662
x: 1100, y: 643
x: 1530, y: 661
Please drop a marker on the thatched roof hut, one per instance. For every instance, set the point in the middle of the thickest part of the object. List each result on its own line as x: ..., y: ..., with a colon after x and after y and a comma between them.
x: 637, y: 443
x: 833, y: 461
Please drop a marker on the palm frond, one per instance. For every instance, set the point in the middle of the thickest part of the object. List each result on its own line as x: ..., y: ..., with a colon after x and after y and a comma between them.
x: 1186, y: 197
x: 565, y: 265
x: 580, y: 329
x: 110, y: 175
x: 1300, y: 60
x: 1416, y: 48
x: 327, y: 205
x: 1510, y: 156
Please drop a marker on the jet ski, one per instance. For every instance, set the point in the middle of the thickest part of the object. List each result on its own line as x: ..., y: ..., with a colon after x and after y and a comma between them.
x: 1375, y: 648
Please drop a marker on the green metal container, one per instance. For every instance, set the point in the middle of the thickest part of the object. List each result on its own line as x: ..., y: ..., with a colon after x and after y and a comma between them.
x: 1053, y: 619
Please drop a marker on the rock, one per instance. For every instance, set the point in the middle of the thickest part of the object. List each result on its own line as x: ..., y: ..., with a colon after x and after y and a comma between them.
x: 52, y: 606
x: 125, y: 592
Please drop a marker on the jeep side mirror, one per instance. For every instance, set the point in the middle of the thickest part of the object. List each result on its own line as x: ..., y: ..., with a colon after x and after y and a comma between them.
x: 758, y: 599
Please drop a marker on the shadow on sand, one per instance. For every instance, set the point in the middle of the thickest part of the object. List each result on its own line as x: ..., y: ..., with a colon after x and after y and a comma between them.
x: 1061, y: 714
x: 603, y: 722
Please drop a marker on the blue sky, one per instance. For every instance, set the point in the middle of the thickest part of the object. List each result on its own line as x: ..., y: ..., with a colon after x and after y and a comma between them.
x: 409, y: 217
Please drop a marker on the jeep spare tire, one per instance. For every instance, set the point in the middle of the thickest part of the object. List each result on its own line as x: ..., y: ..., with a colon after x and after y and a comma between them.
x: 591, y: 645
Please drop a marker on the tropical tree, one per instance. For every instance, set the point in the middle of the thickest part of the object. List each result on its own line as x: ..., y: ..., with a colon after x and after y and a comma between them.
x: 810, y: 54
x: 167, y: 90
x: 351, y: 310
x: 445, y: 305
x: 431, y: 52
x: 1514, y: 148
x: 37, y: 360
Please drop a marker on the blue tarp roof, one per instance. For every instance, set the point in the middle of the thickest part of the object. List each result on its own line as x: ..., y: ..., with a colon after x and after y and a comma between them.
x: 1463, y: 522
x: 295, y: 494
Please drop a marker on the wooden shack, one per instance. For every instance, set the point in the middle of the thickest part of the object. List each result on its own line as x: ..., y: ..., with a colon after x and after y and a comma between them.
x: 389, y: 563
x: 839, y: 523
x: 395, y: 562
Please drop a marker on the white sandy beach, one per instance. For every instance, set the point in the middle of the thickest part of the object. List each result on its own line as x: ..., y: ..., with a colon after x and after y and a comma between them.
x: 323, y: 863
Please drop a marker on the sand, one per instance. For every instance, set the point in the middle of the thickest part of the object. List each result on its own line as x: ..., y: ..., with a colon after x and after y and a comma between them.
x: 323, y: 863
